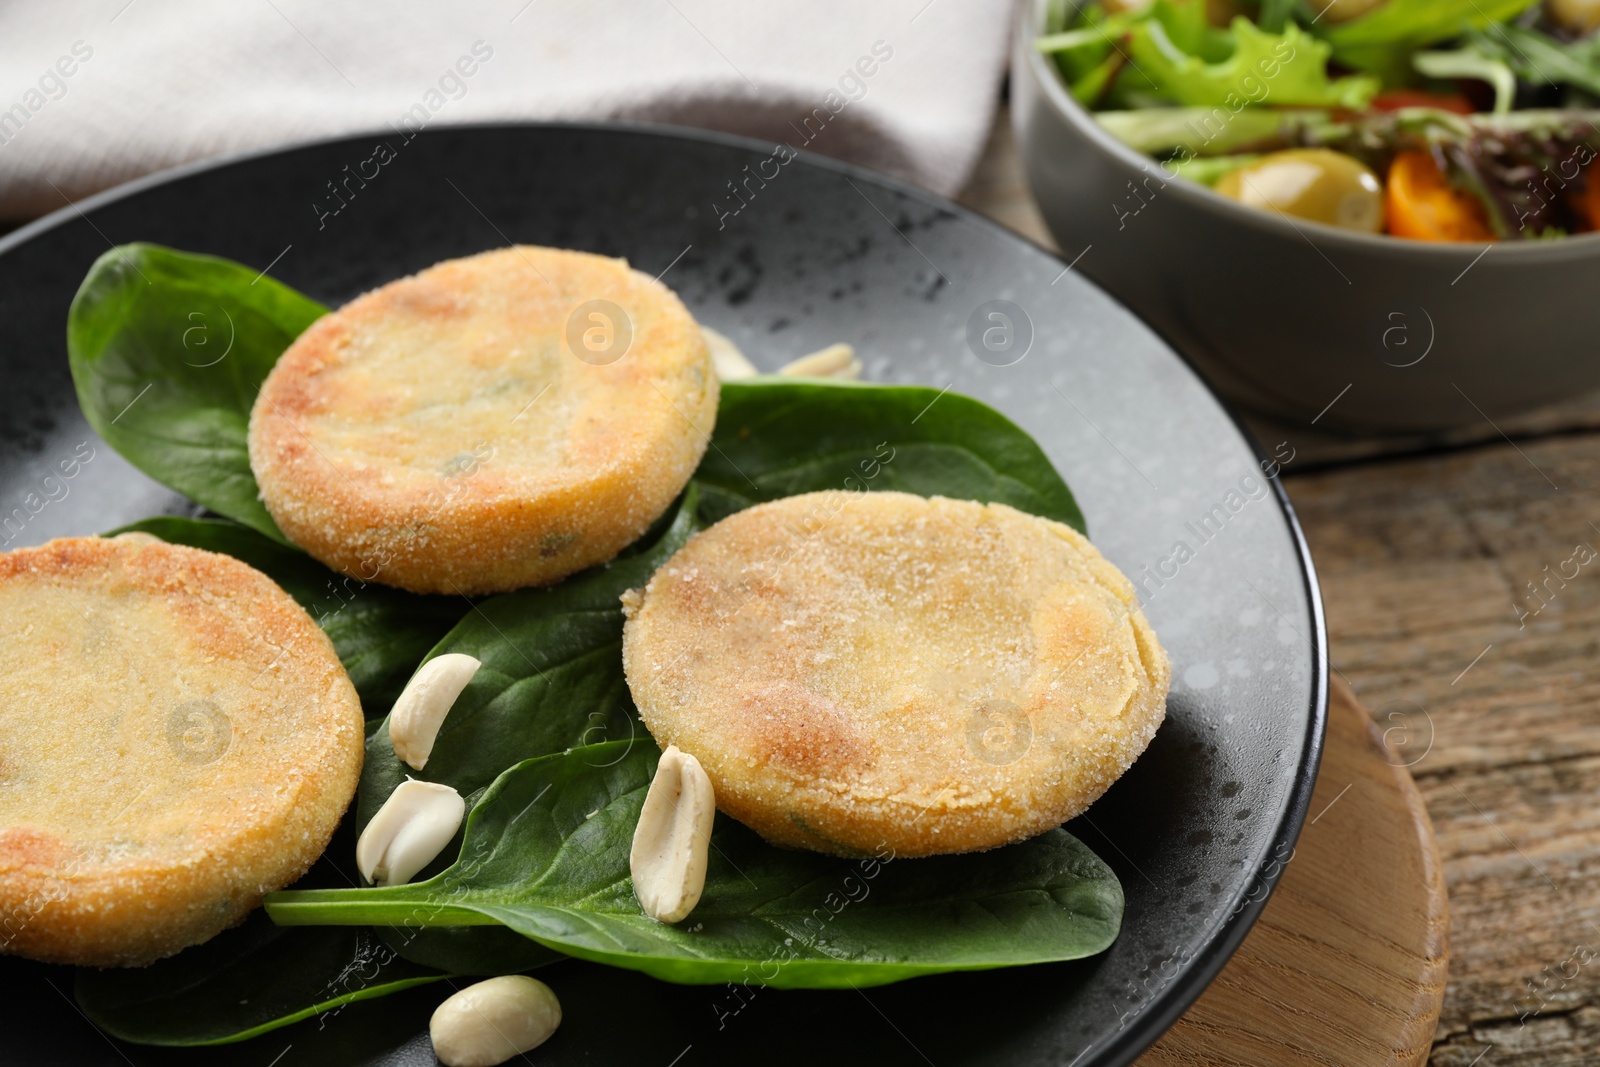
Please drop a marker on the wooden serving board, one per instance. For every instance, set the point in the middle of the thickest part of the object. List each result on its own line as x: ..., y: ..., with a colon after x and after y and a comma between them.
x: 1346, y: 966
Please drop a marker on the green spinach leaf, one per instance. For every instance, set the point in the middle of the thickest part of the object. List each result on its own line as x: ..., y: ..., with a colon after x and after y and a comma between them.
x: 380, y: 633
x: 168, y: 350
x: 484, y: 951
x: 245, y: 982
x: 258, y: 977
x: 551, y: 677
x: 546, y: 854
x: 778, y: 437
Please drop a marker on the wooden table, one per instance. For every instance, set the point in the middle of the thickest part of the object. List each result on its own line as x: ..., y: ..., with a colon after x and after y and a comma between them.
x: 1426, y: 548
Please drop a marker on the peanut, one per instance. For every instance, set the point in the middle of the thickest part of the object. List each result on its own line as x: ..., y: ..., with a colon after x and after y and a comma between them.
x: 491, y: 1021
x: 415, y: 720
x: 411, y: 828
x: 672, y: 842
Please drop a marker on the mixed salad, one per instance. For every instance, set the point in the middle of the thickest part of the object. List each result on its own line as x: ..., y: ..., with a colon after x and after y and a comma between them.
x: 1436, y: 120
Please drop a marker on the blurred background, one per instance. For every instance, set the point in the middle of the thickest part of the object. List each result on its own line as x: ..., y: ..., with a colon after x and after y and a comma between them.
x: 909, y: 89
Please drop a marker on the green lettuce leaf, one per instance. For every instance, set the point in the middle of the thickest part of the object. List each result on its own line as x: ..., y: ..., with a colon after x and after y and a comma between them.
x: 1287, y: 69
x: 1541, y: 59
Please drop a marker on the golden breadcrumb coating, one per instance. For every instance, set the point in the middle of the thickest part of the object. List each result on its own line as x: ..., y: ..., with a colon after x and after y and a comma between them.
x: 862, y: 672
x: 177, y: 739
x: 493, y: 422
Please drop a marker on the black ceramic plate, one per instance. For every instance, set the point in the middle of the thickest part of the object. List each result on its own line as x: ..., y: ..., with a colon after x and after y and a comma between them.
x: 814, y: 253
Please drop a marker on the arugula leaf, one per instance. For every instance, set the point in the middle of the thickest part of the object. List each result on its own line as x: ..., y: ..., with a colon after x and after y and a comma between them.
x: 546, y: 854
x: 1471, y: 61
x: 1274, y: 14
x: 168, y: 350
x: 380, y: 633
x: 1185, y: 23
x: 1287, y: 69
x: 1086, y: 54
x: 1086, y: 45
x: 1540, y: 59
x: 778, y: 437
x: 244, y: 982
x: 1383, y: 39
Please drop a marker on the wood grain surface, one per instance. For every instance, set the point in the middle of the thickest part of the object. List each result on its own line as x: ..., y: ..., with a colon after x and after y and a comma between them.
x: 1426, y: 567
x: 1442, y: 563
x: 1347, y: 963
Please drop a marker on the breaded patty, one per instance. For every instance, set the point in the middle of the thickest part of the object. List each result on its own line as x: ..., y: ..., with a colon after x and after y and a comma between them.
x: 492, y: 422
x: 177, y: 739
x: 861, y: 672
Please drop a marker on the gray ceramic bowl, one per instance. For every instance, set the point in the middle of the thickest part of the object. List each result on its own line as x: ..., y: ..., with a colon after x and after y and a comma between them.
x: 1408, y: 335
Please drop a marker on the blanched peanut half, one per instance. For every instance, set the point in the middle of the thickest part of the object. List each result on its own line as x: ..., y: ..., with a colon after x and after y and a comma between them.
x: 415, y: 720
x: 729, y: 362
x: 835, y: 361
x: 411, y: 828
x: 673, y: 838
x: 494, y: 1020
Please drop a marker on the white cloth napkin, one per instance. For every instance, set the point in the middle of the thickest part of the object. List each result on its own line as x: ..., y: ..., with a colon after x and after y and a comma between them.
x: 95, y: 92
